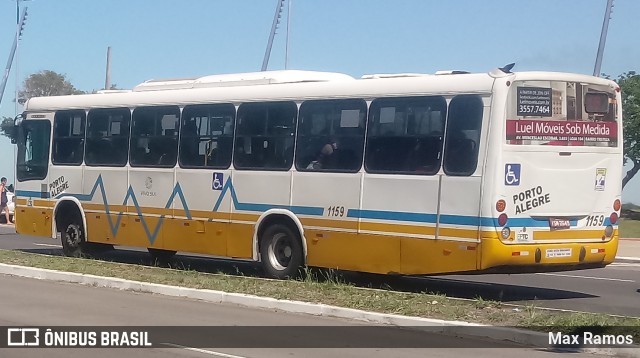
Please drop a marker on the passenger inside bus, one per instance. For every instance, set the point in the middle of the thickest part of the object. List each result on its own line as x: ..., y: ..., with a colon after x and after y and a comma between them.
x: 326, y: 157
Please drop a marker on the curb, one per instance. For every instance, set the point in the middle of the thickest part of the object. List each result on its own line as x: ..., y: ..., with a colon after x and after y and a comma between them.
x: 525, y: 337
x: 627, y: 259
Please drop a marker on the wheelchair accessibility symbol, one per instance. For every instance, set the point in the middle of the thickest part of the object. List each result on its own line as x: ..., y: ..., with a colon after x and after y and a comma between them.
x: 512, y: 174
x: 218, y: 181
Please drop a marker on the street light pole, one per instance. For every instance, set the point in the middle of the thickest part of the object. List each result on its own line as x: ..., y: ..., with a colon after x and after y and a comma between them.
x: 20, y: 27
x: 17, y: 56
x: 603, y: 38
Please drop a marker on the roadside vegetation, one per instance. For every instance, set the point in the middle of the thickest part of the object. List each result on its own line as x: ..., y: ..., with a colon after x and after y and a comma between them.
x: 629, y: 224
x: 330, y: 288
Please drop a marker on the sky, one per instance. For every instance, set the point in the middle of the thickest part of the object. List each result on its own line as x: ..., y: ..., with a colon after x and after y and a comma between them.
x: 153, y: 39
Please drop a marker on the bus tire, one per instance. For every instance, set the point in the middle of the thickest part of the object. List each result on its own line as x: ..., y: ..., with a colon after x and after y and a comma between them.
x: 281, y: 252
x: 73, y: 237
x: 160, y: 255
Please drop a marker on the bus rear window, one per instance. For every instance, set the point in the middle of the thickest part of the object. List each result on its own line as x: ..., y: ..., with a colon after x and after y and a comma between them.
x: 561, y: 113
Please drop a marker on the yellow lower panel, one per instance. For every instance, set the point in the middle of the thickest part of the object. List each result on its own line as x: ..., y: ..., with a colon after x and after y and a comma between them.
x: 239, y: 241
x: 495, y: 253
x: 33, y: 221
x: 422, y: 256
x: 98, y: 229
x: 350, y: 251
x: 197, y: 236
x: 136, y: 235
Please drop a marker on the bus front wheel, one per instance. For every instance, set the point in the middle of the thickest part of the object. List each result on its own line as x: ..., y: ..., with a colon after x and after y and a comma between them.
x: 281, y: 252
x: 72, y: 237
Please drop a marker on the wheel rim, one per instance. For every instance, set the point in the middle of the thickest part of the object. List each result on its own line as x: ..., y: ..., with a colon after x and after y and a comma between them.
x: 280, y: 251
x: 74, y: 235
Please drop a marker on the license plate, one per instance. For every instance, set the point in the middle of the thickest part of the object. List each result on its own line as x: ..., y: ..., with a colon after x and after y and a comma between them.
x: 556, y: 224
x: 523, y: 237
x: 552, y: 253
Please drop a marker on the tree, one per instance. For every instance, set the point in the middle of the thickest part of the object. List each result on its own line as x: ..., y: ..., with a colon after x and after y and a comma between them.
x: 41, y: 84
x: 6, y: 127
x: 46, y: 83
x: 630, y: 86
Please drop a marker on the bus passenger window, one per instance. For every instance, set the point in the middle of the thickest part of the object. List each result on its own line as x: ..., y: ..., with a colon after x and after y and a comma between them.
x: 331, y: 135
x: 154, y: 136
x: 68, y: 137
x: 265, y: 136
x: 463, y: 135
x: 206, y: 136
x: 405, y: 135
x: 107, y: 137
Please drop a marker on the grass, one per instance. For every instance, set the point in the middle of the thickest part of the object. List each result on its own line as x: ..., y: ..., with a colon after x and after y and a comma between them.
x: 629, y: 228
x: 329, y: 288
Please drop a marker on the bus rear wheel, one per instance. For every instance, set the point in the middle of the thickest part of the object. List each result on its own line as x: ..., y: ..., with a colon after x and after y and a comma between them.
x: 281, y: 252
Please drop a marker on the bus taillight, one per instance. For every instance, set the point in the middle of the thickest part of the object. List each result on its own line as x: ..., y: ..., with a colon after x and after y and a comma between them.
x: 502, y: 219
x: 608, y: 231
x: 501, y: 205
x: 613, y: 218
x: 616, y: 205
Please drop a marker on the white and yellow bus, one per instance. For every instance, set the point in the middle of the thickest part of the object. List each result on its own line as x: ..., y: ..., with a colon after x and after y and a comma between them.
x: 391, y: 174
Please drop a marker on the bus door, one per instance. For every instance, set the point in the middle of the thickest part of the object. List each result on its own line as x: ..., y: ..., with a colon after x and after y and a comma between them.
x: 32, y: 189
x: 459, y: 217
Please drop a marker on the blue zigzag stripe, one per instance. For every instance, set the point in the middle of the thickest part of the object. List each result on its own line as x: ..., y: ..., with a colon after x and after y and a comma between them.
x: 177, y: 190
x: 130, y: 194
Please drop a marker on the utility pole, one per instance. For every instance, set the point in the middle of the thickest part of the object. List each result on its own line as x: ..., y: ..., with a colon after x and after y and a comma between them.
x: 286, y: 47
x: 107, y: 80
x: 274, y: 27
x: 603, y: 38
x: 19, y: 29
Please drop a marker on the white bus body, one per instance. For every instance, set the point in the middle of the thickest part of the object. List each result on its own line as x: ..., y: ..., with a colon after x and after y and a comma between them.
x: 507, y: 172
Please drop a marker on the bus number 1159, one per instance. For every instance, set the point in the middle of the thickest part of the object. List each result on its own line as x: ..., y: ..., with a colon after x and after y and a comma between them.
x: 335, y: 211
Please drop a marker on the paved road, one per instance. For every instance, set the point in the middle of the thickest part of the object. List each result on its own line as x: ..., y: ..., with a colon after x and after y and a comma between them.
x: 29, y: 302
x: 614, y: 289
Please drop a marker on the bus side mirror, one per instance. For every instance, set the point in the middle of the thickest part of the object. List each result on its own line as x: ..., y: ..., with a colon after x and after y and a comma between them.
x: 13, y: 131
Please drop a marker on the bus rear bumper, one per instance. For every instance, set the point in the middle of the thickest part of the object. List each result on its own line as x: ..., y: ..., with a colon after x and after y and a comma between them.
x: 545, y: 257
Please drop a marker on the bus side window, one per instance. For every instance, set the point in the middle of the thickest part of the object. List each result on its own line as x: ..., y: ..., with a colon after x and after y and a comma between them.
x: 463, y: 135
x: 405, y: 135
x: 154, y: 138
x: 107, y: 136
x: 206, y: 135
x: 68, y: 137
x: 264, y: 135
x: 331, y: 135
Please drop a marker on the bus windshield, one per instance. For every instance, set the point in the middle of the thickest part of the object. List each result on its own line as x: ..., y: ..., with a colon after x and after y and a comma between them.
x: 33, y: 150
x: 561, y: 113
